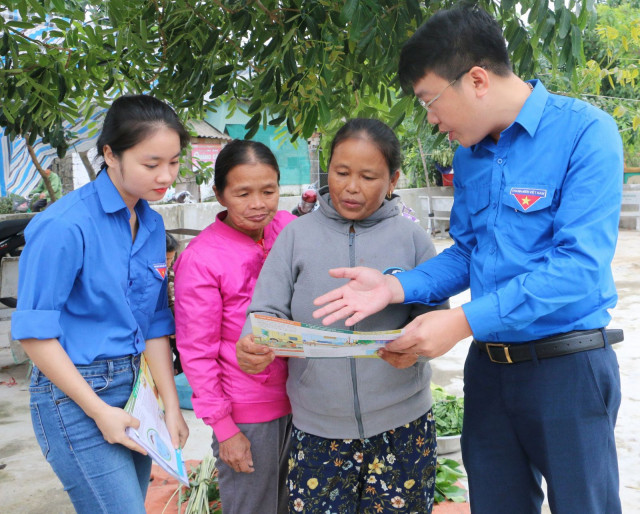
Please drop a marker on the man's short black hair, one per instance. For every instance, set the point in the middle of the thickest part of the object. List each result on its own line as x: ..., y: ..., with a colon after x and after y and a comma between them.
x: 450, y: 43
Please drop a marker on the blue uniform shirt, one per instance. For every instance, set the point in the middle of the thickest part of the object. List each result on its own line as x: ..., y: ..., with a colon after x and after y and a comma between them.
x: 535, y: 224
x: 83, y: 281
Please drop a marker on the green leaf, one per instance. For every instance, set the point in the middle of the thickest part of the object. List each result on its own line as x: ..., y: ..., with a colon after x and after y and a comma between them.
x: 291, y: 126
x: 8, y: 114
x: 564, y: 23
x: 415, y: 13
x: 309, y: 126
x: 255, y: 105
x: 278, y: 121
x: 323, y: 111
x: 210, y: 42
x: 576, y: 43
x: 252, y: 131
x: 219, y: 88
x: 267, y: 80
x: 517, y: 39
x: 447, y: 474
x: 61, y: 23
x: 62, y: 87
x: 348, y: 11
x: 224, y: 70
x: 20, y: 24
x: 255, y: 120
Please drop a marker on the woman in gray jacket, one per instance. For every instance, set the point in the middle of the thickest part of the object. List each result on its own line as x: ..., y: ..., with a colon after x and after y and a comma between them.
x: 364, y: 436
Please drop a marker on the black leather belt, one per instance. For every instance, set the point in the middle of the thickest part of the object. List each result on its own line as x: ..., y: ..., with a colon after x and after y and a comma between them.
x: 563, y: 344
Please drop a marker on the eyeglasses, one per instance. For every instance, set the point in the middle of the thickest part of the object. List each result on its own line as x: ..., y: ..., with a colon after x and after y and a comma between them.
x: 428, y: 104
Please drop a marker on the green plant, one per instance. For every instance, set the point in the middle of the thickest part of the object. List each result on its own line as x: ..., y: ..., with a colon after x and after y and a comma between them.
x: 6, y: 205
x: 447, y: 475
x: 443, y: 155
x: 202, y: 495
x: 448, y: 411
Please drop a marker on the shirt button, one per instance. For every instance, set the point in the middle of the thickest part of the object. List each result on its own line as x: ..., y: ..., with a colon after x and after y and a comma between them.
x: 494, y: 204
x: 492, y: 250
x: 499, y: 161
x: 415, y: 293
x: 130, y: 282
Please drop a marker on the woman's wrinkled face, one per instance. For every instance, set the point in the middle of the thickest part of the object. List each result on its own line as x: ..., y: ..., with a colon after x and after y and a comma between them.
x: 250, y: 197
x: 359, y: 178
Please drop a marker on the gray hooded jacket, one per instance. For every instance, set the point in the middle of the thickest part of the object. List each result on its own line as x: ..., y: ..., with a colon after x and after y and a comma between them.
x: 345, y: 398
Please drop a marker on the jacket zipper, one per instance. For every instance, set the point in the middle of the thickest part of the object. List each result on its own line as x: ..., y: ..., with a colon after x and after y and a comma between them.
x: 354, y: 376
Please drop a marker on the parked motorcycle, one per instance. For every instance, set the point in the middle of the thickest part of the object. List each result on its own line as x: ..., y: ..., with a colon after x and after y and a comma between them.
x: 307, y: 202
x: 11, y: 243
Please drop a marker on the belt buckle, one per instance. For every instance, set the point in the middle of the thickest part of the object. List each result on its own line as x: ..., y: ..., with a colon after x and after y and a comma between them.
x: 505, y: 352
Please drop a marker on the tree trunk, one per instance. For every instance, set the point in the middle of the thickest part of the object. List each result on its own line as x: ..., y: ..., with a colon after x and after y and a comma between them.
x: 47, y: 183
x: 87, y: 165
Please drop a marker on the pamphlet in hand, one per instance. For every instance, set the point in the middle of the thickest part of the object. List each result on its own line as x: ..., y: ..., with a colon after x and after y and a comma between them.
x: 146, y: 405
x: 294, y: 339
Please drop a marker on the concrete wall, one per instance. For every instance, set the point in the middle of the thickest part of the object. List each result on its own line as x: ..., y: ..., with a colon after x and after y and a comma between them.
x: 199, y: 215
x: 630, y: 221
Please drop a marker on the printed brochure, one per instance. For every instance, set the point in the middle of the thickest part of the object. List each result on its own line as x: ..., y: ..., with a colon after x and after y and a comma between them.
x: 294, y: 339
x: 146, y: 405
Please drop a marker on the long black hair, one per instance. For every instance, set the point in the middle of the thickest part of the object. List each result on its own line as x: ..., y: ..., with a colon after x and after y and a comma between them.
x: 132, y: 118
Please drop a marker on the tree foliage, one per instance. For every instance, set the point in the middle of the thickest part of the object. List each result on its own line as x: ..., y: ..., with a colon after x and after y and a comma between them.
x: 612, y: 71
x: 299, y: 64
x: 610, y: 75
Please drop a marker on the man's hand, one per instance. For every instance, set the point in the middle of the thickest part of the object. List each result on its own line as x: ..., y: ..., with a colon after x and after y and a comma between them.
x: 236, y: 453
x: 253, y: 358
x: 398, y: 360
x: 367, y: 292
x: 432, y: 334
x: 42, y: 196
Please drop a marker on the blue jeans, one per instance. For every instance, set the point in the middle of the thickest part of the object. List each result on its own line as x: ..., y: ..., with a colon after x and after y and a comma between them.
x: 97, y: 475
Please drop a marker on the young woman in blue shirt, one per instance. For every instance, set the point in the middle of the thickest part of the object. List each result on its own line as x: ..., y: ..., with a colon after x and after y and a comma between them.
x: 92, y: 298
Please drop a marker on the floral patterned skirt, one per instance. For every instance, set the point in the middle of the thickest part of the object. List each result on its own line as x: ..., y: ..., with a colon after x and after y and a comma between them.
x: 394, y: 471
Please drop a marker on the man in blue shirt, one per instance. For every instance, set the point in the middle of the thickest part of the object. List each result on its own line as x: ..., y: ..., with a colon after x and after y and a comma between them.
x: 538, y: 185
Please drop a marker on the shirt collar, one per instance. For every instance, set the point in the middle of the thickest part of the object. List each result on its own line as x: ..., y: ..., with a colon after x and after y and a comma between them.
x: 531, y: 112
x: 528, y: 118
x: 111, y: 200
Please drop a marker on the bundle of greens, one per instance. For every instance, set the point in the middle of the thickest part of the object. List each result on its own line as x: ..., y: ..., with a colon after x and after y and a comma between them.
x: 202, y: 495
x: 204, y: 488
x: 447, y: 411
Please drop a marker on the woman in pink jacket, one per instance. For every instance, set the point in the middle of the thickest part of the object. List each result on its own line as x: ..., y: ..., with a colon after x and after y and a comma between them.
x: 214, y: 281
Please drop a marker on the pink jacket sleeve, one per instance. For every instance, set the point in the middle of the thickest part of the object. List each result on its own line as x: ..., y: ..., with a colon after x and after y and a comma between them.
x: 198, y: 312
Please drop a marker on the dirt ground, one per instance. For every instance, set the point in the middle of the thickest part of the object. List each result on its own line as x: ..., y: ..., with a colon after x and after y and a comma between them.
x: 27, y: 484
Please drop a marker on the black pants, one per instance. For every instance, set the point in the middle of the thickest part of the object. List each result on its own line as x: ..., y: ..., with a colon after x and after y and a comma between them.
x: 553, y: 418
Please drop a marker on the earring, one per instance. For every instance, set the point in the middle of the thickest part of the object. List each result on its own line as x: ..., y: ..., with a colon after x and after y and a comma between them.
x: 389, y: 195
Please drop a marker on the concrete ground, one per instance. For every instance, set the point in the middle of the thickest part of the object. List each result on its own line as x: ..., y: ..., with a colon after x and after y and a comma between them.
x: 27, y: 484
